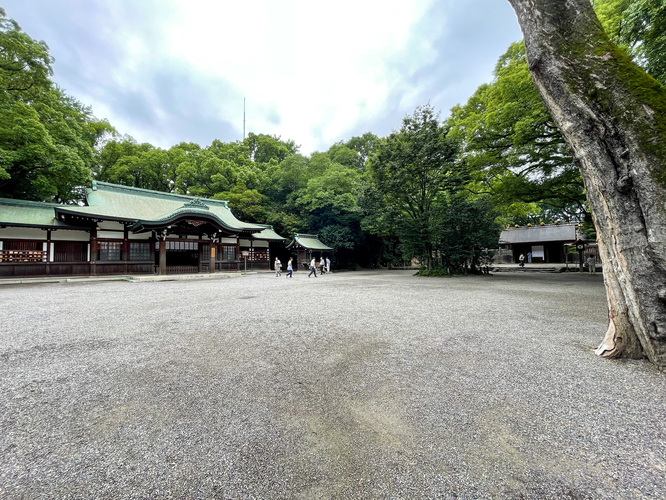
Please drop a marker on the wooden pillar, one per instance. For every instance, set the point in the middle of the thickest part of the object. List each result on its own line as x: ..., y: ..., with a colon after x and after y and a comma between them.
x: 49, y: 252
x: 213, y: 253
x: 238, y: 254
x: 162, y: 268
x: 125, y: 250
x: 199, y: 252
x: 93, y: 251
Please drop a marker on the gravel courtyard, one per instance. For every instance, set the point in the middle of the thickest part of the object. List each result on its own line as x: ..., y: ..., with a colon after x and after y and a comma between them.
x: 351, y: 385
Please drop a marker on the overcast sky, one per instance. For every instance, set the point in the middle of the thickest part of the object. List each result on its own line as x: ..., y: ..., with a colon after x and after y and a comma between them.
x: 166, y: 71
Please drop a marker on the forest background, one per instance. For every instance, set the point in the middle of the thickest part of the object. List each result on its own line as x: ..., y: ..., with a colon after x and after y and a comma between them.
x: 435, y: 189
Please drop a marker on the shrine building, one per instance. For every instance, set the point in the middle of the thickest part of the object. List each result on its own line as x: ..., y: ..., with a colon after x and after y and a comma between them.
x: 307, y: 247
x: 127, y: 230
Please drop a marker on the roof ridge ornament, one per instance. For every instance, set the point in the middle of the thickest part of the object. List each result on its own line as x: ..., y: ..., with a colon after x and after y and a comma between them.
x: 196, y: 203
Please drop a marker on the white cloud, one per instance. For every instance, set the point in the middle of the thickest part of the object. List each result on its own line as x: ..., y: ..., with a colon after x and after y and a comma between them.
x: 166, y: 71
x: 318, y: 66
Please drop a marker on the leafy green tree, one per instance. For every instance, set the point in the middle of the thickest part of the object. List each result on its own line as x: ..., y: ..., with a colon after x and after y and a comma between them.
x: 263, y: 148
x: 25, y: 64
x: 639, y: 26
x: 513, y: 148
x: 413, y: 169
x: 364, y: 146
x: 247, y: 204
x: 467, y: 228
x: 47, y: 138
x: 333, y: 190
x: 137, y: 165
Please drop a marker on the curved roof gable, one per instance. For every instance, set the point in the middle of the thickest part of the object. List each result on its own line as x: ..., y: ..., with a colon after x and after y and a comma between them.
x: 130, y: 204
x: 308, y: 241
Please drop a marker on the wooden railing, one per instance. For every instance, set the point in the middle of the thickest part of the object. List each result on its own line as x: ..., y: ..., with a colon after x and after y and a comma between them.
x: 182, y: 269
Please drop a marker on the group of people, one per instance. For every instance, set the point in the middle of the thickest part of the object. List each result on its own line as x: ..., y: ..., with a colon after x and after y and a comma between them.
x: 324, y: 267
x: 278, y: 268
x: 324, y: 264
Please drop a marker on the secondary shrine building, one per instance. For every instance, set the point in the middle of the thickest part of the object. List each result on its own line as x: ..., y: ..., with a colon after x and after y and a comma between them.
x: 127, y: 230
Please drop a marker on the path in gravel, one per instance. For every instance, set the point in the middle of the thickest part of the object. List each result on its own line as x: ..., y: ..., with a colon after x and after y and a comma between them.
x: 351, y: 385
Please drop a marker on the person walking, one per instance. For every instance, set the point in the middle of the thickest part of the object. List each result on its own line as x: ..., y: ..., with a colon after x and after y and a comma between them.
x: 278, y: 267
x: 290, y: 269
x: 521, y: 259
x: 313, y: 268
x: 322, y: 263
x: 591, y: 264
x: 328, y: 265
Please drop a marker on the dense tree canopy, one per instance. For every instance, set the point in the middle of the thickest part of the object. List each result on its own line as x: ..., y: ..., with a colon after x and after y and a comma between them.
x: 47, y: 138
x: 416, y: 185
x: 639, y: 26
x: 513, y: 148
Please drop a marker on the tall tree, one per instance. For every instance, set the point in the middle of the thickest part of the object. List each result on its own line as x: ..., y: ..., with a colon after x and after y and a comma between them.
x: 25, y: 64
x: 47, y: 138
x: 613, y: 116
x: 412, y: 169
x: 512, y: 146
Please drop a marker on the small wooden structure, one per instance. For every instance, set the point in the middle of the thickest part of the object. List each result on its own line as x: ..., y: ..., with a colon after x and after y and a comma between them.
x: 306, y: 247
x: 545, y: 243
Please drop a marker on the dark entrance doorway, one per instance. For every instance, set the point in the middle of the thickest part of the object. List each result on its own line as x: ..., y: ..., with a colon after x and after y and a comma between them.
x: 181, y: 256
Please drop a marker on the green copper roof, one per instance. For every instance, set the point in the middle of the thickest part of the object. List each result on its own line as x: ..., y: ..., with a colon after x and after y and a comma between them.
x: 268, y: 234
x: 144, y: 208
x: 28, y: 213
x: 111, y: 201
x: 309, y: 241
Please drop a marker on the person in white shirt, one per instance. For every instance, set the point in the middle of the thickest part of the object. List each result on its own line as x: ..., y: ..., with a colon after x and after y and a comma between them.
x: 313, y: 268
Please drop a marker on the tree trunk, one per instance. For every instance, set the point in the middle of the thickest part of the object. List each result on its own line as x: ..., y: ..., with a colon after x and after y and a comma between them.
x: 613, y: 115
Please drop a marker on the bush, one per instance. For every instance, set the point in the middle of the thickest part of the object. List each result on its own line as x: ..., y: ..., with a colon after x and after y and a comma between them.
x: 438, y: 271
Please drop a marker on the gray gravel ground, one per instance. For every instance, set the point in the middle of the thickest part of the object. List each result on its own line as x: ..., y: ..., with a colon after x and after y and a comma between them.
x: 351, y: 385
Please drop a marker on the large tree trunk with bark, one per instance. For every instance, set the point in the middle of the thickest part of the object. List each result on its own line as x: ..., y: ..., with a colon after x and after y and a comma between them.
x: 613, y: 116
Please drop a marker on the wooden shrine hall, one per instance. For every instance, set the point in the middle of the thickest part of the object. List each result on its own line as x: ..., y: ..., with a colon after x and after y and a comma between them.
x: 307, y: 247
x: 127, y: 230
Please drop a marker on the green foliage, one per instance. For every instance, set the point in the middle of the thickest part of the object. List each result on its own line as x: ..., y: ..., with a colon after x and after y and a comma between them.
x: 431, y: 273
x: 639, y: 27
x: 264, y: 148
x: 47, y: 138
x: 332, y: 190
x: 138, y: 165
x: 365, y: 146
x: 513, y: 148
x: 25, y: 64
x: 467, y: 228
x: 246, y: 204
x: 355, y: 152
x: 412, y: 172
x: 338, y: 236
